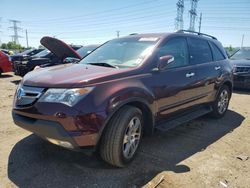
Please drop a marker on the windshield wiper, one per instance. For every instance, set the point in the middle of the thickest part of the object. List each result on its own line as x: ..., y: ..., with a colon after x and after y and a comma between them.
x: 103, y: 64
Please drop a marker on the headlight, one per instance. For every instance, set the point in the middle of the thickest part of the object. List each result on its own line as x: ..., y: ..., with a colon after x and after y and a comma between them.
x: 24, y: 62
x: 66, y: 96
x: 234, y: 68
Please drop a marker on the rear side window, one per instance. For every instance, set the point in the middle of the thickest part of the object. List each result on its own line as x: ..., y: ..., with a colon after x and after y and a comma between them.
x: 199, y: 50
x: 176, y: 47
x: 216, y: 52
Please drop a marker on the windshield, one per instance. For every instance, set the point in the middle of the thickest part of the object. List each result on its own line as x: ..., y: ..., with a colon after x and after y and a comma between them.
x: 85, y: 50
x: 26, y: 52
x: 121, y: 53
x: 42, y: 53
x: 241, y: 54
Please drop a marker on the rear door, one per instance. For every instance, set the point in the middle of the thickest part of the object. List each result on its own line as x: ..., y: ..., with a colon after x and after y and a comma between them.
x: 208, y: 71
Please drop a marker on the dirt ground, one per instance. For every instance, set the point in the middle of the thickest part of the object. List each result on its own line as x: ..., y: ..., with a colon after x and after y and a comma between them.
x: 202, y: 153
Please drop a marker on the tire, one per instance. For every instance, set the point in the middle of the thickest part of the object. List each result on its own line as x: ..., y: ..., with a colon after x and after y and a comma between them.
x: 120, y: 141
x: 220, y: 105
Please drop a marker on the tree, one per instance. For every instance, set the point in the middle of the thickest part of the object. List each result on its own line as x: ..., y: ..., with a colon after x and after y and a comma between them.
x: 230, y: 48
x: 12, y: 46
x: 4, y: 46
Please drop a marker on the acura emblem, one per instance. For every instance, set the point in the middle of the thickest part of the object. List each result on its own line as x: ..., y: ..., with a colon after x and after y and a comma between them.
x: 20, y: 93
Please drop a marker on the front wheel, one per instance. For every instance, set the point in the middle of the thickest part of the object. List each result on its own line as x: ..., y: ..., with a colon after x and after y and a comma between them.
x: 122, y: 136
x: 220, y: 105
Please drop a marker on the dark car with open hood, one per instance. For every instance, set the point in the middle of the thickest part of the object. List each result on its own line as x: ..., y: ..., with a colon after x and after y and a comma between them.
x: 25, y: 54
x: 241, y: 63
x: 126, y: 88
x: 55, y: 53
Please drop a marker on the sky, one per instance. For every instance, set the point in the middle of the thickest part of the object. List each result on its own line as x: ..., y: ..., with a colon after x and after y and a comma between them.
x: 96, y: 21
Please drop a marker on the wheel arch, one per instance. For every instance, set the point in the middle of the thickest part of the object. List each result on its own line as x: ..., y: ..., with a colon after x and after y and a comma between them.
x: 229, y: 85
x: 147, y: 111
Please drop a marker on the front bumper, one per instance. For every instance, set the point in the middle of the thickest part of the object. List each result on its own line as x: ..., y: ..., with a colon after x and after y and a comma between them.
x: 61, y: 124
x: 48, y: 130
x: 242, y: 81
x: 19, y: 68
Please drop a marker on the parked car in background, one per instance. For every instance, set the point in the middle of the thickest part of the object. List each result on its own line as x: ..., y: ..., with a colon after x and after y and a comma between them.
x: 25, y: 55
x: 5, y: 63
x: 8, y: 52
x: 241, y: 63
x: 125, y: 88
x: 60, y: 52
x: 82, y: 52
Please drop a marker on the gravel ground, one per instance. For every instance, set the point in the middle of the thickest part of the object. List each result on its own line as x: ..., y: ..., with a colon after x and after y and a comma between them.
x: 202, y: 153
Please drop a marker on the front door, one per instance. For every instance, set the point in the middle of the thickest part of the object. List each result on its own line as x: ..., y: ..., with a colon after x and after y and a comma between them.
x: 174, y: 87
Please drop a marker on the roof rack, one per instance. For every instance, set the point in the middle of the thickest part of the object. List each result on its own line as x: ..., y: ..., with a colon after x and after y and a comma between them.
x: 133, y: 34
x: 194, y: 32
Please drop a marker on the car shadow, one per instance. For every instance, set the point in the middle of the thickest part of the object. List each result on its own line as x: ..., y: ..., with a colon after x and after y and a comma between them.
x: 36, y: 163
x: 5, y: 76
x: 16, y: 82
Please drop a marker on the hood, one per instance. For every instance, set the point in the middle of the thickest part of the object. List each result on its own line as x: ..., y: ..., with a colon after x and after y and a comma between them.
x: 38, y: 59
x: 68, y: 76
x: 59, y: 48
x: 240, y: 62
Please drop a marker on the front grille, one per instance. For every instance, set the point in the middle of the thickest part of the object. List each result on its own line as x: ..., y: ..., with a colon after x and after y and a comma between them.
x: 242, y: 69
x: 26, y: 96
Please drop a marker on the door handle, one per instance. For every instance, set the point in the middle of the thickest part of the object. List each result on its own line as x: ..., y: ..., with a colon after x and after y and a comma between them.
x: 217, y: 68
x: 189, y: 75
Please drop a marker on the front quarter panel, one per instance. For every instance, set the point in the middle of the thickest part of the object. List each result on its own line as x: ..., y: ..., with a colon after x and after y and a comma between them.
x: 107, y: 97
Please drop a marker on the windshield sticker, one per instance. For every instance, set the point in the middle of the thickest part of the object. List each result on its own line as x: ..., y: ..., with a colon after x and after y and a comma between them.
x: 148, y: 39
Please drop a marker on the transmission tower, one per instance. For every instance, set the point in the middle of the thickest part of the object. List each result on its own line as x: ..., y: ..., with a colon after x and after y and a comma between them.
x: 179, y: 16
x: 15, y: 29
x: 193, y: 14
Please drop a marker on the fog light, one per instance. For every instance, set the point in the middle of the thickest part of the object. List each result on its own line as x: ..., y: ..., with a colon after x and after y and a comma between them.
x: 60, y: 143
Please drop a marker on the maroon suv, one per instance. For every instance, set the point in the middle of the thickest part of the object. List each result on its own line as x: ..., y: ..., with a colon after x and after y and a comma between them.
x: 126, y: 88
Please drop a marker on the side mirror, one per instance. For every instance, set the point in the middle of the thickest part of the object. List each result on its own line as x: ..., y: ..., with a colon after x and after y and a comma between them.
x: 164, y: 61
x: 71, y: 60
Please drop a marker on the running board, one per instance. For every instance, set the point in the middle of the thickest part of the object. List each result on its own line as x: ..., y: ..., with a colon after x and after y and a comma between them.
x: 165, y: 126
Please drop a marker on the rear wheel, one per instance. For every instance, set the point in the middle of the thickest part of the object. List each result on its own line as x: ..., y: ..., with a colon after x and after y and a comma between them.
x: 122, y: 136
x: 221, y: 103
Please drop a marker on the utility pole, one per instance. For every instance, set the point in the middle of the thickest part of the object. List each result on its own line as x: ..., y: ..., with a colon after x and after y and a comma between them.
x: 179, y: 16
x: 193, y: 14
x: 200, y: 22
x: 118, y: 34
x: 15, y: 30
x: 242, y: 41
x: 27, y: 41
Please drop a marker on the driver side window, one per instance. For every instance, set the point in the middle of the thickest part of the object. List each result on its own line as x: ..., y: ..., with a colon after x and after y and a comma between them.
x: 177, y: 47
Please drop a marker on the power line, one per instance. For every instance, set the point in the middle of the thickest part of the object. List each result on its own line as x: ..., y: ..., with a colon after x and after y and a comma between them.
x: 133, y: 14
x: 15, y: 29
x: 124, y: 21
x: 96, y: 13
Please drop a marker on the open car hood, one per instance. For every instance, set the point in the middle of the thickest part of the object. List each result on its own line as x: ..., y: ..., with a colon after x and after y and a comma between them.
x: 59, y: 48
